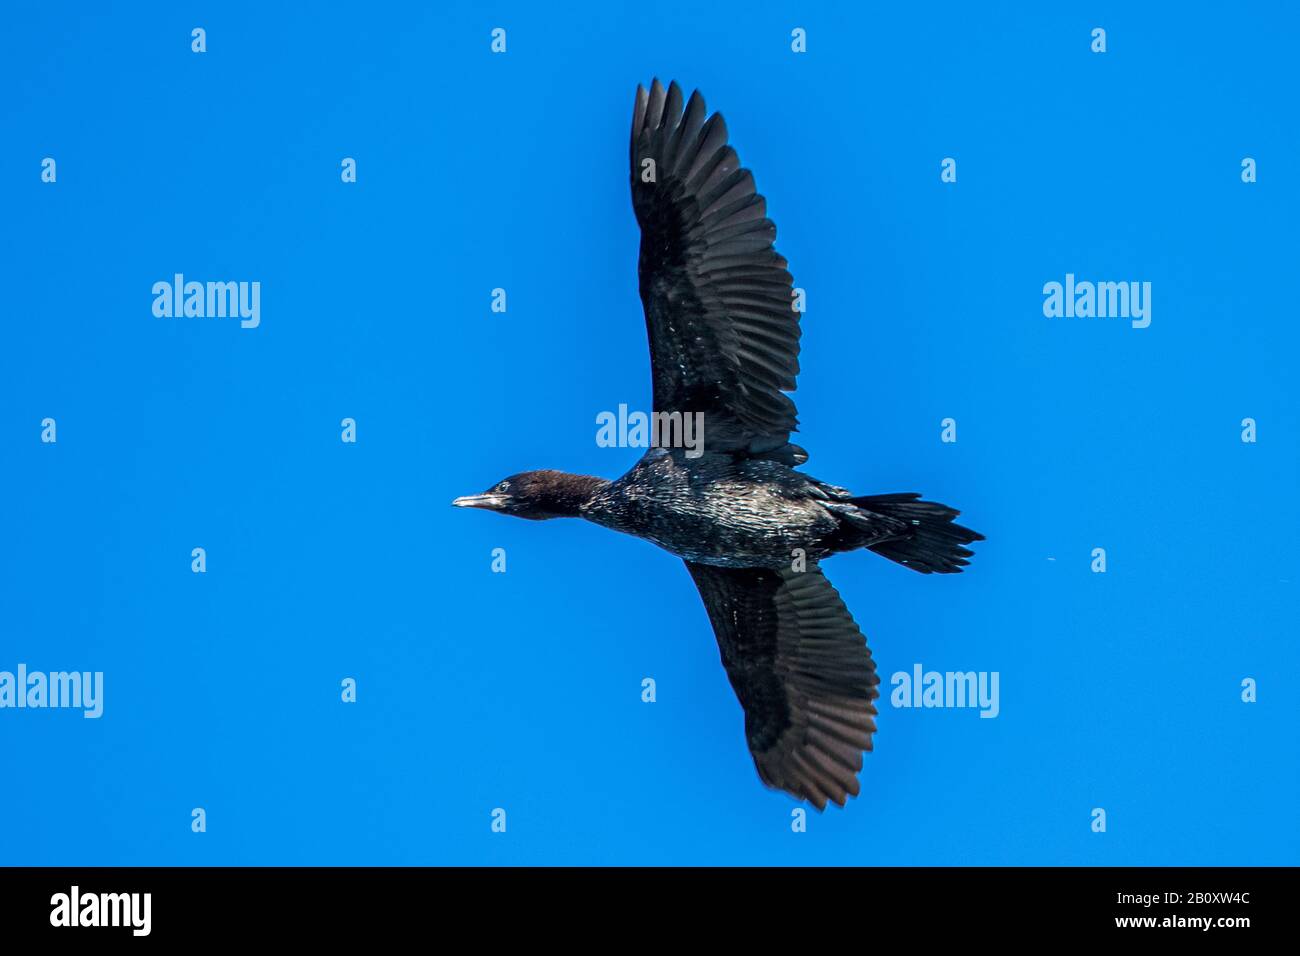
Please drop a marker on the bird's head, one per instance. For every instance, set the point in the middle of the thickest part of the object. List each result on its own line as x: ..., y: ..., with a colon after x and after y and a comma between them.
x: 536, y: 495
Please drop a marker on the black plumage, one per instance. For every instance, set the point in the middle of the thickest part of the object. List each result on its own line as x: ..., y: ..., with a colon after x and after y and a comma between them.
x: 724, y: 337
x: 724, y: 344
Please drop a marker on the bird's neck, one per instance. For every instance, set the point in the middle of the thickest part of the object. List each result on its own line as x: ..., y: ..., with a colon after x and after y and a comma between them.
x: 569, y: 495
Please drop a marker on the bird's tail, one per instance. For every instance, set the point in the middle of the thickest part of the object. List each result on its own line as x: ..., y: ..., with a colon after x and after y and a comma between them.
x: 924, y: 537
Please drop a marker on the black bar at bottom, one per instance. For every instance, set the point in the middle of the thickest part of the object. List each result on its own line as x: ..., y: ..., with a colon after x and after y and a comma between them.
x: 333, y: 905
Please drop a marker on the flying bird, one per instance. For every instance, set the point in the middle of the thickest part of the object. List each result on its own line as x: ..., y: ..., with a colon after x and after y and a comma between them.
x: 724, y: 344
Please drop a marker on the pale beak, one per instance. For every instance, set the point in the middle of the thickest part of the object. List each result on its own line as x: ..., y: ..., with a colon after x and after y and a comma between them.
x: 490, y: 501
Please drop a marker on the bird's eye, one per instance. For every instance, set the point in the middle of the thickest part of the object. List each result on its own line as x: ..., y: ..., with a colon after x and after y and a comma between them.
x: 504, y: 486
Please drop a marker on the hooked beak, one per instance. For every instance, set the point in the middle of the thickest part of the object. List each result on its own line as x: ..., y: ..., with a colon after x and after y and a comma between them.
x: 488, y: 500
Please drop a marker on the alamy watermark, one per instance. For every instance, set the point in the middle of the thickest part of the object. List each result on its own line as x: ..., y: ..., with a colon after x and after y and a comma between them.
x: 209, y: 300
x: 921, y: 688
x: 81, y: 690
x: 1098, y: 300
x: 75, y: 908
x: 656, y: 429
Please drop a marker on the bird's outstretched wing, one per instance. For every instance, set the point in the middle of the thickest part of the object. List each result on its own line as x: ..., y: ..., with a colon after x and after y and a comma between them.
x: 802, y: 672
x: 724, y: 335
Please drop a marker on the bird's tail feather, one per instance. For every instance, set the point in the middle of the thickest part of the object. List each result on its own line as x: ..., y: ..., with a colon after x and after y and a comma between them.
x: 929, y: 541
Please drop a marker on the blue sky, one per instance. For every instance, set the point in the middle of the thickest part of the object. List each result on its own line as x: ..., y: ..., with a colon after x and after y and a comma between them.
x: 522, y: 690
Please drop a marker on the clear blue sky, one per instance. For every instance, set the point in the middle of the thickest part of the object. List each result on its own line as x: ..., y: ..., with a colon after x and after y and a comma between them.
x: 521, y: 690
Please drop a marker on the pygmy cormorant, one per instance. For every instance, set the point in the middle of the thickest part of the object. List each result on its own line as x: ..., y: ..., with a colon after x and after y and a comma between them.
x: 724, y: 342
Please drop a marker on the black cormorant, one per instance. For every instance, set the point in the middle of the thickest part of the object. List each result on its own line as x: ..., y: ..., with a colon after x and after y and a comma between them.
x: 724, y: 342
